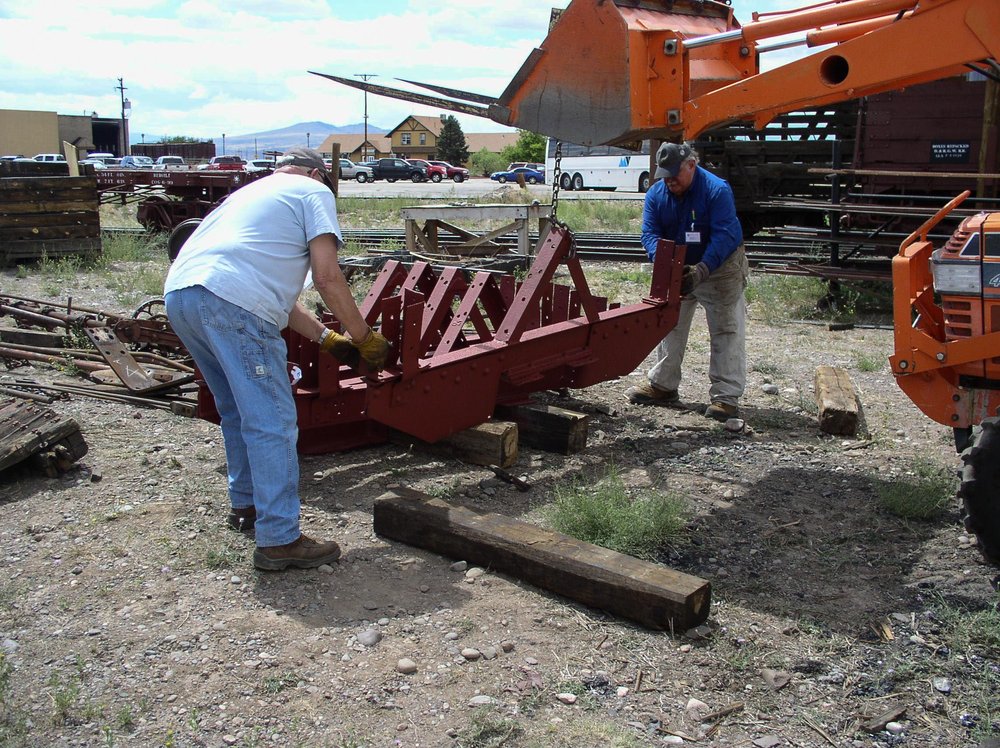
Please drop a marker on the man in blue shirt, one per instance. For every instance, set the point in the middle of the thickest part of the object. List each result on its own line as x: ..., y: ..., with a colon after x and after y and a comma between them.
x: 696, y: 210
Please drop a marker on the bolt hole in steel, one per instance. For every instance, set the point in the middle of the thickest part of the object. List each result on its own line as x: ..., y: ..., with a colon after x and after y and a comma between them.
x: 833, y: 70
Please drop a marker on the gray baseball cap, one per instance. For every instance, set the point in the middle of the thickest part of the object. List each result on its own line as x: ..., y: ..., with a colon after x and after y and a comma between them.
x: 308, y: 158
x: 669, y: 157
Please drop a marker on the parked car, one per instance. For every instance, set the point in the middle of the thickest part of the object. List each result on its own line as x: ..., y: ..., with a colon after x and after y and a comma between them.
x: 136, y: 162
x: 259, y: 164
x: 458, y: 173
x: 360, y: 172
x: 11, y: 158
x: 434, y: 172
x: 391, y: 169
x: 525, y: 165
x: 531, y: 176
x: 224, y: 163
x: 171, y: 162
x: 49, y: 157
x: 102, y: 156
x: 97, y: 163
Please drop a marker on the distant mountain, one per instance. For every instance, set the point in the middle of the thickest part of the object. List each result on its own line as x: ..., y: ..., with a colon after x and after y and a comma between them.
x: 300, y: 134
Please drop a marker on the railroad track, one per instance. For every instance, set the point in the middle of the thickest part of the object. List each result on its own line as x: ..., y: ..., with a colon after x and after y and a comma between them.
x: 790, y: 250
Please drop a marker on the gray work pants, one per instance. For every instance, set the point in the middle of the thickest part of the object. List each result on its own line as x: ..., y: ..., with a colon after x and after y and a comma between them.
x: 725, y: 311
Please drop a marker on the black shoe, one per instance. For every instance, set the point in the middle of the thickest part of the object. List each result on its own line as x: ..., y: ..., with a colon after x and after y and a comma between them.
x: 242, y: 520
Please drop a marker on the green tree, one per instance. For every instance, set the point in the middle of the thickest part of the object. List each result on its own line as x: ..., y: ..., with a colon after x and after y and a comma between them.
x: 486, y: 162
x: 451, y: 145
x: 179, y: 139
x: 530, y: 147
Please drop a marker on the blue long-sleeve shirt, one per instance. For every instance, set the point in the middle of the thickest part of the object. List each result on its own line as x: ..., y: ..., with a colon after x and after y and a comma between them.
x: 706, y: 210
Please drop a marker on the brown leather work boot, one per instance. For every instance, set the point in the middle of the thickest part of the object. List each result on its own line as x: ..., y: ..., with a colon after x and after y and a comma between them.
x: 242, y: 520
x: 722, y: 411
x: 648, y: 393
x: 304, y: 553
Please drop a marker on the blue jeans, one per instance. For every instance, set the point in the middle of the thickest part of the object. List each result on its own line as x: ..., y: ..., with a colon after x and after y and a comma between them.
x: 243, y: 359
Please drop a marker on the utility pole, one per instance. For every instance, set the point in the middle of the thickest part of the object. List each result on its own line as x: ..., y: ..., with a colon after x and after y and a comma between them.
x: 223, y: 144
x: 364, y: 147
x: 121, y: 88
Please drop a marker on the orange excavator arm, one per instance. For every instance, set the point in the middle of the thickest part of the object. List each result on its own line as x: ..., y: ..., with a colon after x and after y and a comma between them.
x: 625, y: 71
x: 622, y: 71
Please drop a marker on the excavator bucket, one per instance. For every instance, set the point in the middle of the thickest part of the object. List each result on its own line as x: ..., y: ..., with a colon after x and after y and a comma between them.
x: 613, y: 72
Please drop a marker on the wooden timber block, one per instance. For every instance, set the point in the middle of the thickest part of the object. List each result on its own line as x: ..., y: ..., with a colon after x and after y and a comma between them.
x: 650, y: 594
x: 837, y: 401
x: 29, y: 430
x: 490, y: 443
x: 548, y: 427
x: 37, y: 338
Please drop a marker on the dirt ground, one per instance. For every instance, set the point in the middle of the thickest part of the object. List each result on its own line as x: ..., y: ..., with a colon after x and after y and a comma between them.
x: 130, y: 615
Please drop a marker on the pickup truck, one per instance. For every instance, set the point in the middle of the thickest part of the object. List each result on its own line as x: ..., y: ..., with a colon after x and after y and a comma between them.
x: 223, y: 163
x: 351, y: 170
x: 436, y: 173
x: 391, y: 169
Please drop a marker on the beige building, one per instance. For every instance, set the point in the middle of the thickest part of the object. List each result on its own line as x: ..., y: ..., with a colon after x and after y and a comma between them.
x: 25, y: 133
x: 352, y: 146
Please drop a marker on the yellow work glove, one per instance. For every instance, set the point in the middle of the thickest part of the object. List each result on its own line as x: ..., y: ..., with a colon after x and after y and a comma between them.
x: 374, y: 349
x: 339, y: 347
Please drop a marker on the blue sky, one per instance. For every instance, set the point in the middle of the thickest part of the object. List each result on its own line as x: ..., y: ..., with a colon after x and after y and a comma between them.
x: 204, y: 67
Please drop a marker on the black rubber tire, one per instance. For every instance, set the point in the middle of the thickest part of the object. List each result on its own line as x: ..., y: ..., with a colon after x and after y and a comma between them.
x: 458, y: 178
x: 532, y: 180
x: 980, y: 489
x: 362, y: 177
x: 416, y: 178
x: 566, y: 182
x: 644, y: 181
x: 390, y: 181
x: 436, y: 178
x: 182, y: 231
x: 577, y: 181
x: 502, y: 180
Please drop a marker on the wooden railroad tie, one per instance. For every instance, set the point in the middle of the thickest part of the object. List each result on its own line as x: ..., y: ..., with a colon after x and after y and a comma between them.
x: 650, y: 594
x: 837, y: 401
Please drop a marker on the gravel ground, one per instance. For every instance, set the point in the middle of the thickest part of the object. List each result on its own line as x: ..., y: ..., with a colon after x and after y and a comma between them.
x: 131, y: 616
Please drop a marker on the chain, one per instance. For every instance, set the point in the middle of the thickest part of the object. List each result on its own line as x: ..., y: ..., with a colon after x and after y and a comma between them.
x: 556, y: 179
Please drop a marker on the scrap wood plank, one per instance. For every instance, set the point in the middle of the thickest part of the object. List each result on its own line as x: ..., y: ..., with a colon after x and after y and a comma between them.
x: 837, y: 401
x: 650, y: 594
x: 28, y: 429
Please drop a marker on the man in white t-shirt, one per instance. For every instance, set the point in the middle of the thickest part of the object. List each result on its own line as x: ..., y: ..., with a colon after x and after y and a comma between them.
x: 229, y: 294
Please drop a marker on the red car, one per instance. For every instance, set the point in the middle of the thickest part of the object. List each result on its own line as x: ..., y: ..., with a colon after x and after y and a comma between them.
x: 454, y: 172
x: 435, y: 173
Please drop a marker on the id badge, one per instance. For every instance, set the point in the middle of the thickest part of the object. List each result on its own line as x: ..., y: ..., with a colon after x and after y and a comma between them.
x: 692, y: 237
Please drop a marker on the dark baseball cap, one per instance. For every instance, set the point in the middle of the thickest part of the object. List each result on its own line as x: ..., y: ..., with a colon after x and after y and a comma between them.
x: 669, y: 157
x: 308, y: 158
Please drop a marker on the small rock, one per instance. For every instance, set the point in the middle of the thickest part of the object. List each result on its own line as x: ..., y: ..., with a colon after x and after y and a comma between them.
x: 672, y: 740
x: 235, y: 579
x: 481, y: 701
x: 406, y: 666
x: 325, y: 568
x: 770, y: 389
x: 507, y: 646
x: 699, y: 633
x: 622, y: 692
x: 471, y: 654
x: 566, y: 698
x: 9, y: 646
x: 230, y: 739
x: 734, y: 425
x: 695, y: 708
x: 370, y: 605
x: 459, y: 566
x: 370, y: 637
x: 942, y: 685
x: 474, y: 573
x: 768, y: 741
x: 489, y: 653
x: 896, y: 728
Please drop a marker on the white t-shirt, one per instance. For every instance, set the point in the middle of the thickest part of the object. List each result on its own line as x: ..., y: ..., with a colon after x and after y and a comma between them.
x: 253, y: 250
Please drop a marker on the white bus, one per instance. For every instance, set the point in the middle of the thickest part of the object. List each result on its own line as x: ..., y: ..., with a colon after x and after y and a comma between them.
x: 599, y: 167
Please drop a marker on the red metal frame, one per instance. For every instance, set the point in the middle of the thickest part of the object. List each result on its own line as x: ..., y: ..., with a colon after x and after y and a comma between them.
x: 461, y: 346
